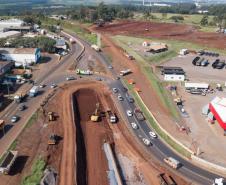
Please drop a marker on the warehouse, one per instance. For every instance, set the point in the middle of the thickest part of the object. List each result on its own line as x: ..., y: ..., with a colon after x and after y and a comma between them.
x: 173, y: 74
x: 218, y: 107
x: 11, y: 23
x: 21, y: 56
x: 9, y: 34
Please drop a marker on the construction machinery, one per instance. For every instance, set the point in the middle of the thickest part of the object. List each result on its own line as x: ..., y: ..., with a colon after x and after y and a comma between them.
x: 178, y: 101
x: 51, y: 116
x: 2, y: 125
x: 18, y: 98
x: 96, y: 115
x: 112, y: 116
x: 52, y: 139
x: 8, y: 161
x: 131, y: 81
x: 125, y: 72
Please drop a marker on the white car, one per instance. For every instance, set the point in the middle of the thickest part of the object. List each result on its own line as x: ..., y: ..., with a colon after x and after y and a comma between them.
x: 146, y: 141
x: 42, y: 85
x: 129, y: 113
x: 134, y: 125
x: 152, y: 134
x: 70, y: 78
x: 53, y: 86
x: 120, y: 98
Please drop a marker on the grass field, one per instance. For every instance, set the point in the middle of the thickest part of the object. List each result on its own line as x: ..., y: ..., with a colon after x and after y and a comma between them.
x: 146, y: 69
x: 193, y: 19
x: 37, y: 172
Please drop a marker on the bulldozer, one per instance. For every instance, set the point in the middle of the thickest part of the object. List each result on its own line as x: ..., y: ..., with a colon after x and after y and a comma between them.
x: 51, y: 116
x: 96, y: 115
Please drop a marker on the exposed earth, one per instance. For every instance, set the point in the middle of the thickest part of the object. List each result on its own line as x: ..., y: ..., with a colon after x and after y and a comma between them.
x: 165, y: 31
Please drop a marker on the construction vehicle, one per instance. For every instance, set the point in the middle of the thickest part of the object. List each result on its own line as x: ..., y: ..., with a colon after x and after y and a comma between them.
x: 112, y: 116
x: 51, y: 116
x: 178, y: 101
x: 52, y: 139
x: 72, y: 40
x: 137, y: 89
x: 139, y: 115
x: 2, y: 125
x: 125, y: 72
x: 96, y: 115
x: 131, y: 81
x: 172, y: 162
x: 8, y: 162
x: 19, y: 97
x: 84, y: 72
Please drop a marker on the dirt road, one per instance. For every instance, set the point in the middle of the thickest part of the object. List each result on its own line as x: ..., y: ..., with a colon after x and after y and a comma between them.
x: 165, y: 31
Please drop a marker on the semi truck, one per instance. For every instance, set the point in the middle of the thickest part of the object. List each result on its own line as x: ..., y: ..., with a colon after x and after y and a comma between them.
x: 33, y: 91
x: 172, y: 162
x: 8, y: 162
x: 112, y: 117
x: 95, y: 47
x: 139, y: 115
x: 125, y: 72
x: 84, y: 72
x: 19, y: 97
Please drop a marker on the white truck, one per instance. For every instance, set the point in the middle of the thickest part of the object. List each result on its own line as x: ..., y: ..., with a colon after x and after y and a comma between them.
x: 125, y: 72
x: 95, y: 47
x: 33, y: 91
x: 8, y: 162
x: 218, y: 181
x: 112, y: 117
x: 172, y: 162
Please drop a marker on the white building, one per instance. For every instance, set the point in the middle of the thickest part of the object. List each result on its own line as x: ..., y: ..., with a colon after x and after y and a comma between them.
x: 21, y: 56
x: 173, y: 74
x: 11, y: 23
x: 9, y: 34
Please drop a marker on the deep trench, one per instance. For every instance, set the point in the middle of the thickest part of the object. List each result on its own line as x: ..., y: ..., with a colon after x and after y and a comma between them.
x: 81, y: 163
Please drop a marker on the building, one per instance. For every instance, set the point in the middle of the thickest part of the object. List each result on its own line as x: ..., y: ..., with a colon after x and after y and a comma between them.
x: 11, y: 23
x: 190, y: 85
x: 5, y: 66
x: 9, y: 34
x: 218, y: 107
x: 157, y: 47
x: 22, y: 29
x: 61, y: 44
x: 173, y: 74
x: 21, y: 56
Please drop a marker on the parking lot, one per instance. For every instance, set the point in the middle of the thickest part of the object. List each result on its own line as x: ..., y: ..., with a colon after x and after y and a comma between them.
x: 206, y: 136
x: 199, y: 73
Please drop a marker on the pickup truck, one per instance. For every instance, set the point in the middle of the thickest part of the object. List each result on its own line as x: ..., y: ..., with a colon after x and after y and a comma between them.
x: 8, y: 162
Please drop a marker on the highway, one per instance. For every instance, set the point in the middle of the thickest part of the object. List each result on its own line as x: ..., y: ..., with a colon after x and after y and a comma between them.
x: 58, y: 74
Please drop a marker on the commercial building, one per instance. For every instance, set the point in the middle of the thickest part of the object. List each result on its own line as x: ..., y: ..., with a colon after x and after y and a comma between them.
x: 218, y: 108
x: 11, y: 23
x: 173, y: 74
x: 9, y: 34
x: 21, y: 56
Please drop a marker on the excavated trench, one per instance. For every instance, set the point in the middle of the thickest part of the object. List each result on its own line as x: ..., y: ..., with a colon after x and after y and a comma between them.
x: 91, y: 164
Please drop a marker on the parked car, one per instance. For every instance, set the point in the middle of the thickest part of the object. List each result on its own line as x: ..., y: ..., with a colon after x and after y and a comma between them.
x: 204, y: 63
x: 134, y: 125
x: 129, y: 113
x: 195, y: 60
x: 220, y: 65
x: 14, y: 119
x: 215, y: 63
x: 152, y: 134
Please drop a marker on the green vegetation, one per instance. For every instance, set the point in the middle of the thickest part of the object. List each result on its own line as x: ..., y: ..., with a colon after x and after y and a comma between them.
x: 146, y: 69
x: 155, y: 126
x: 37, y: 172
x: 32, y: 119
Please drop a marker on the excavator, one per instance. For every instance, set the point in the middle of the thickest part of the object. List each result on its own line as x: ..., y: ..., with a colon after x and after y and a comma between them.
x: 96, y: 115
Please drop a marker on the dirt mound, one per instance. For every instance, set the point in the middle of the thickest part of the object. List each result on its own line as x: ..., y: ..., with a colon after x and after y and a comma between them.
x: 165, y: 31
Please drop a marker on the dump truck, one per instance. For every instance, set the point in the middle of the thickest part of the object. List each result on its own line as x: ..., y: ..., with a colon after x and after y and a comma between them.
x: 125, y: 72
x: 19, y: 97
x: 51, y: 116
x: 33, y: 91
x: 139, y: 115
x: 8, y: 162
x: 112, y: 116
x: 172, y: 162
x: 2, y: 125
x: 84, y: 72
x: 96, y: 115
x: 95, y: 47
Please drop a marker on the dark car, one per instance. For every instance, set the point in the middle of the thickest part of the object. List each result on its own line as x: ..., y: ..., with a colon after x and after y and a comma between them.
x: 195, y: 60
x: 22, y: 107
x: 215, y: 63
x: 220, y: 65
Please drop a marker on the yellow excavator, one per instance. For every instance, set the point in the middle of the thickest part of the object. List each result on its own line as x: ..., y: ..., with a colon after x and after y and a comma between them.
x: 96, y: 115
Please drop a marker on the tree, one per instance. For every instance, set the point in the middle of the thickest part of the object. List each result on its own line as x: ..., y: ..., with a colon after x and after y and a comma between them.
x: 164, y: 15
x: 204, y: 20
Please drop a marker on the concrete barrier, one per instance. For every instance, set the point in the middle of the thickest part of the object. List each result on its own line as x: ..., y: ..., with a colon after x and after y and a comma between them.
x: 208, y: 165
